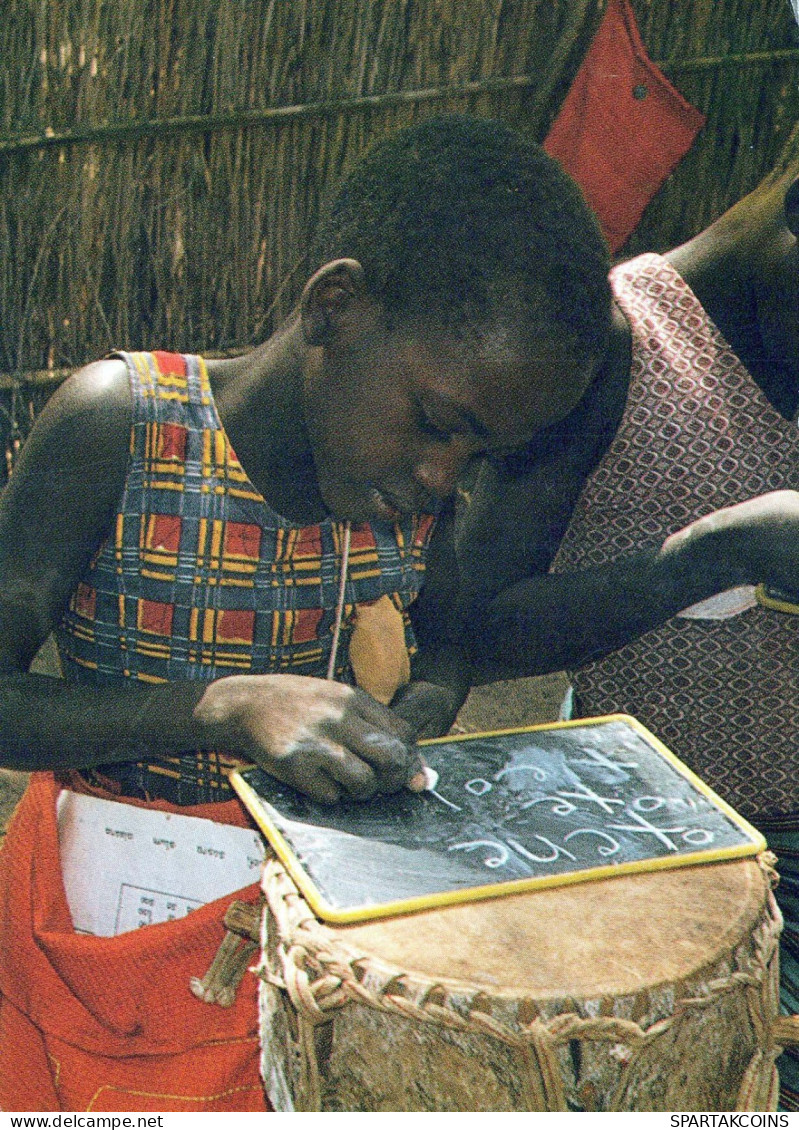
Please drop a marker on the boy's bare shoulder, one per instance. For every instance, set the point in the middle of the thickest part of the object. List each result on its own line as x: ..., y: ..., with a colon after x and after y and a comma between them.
x: 85, y: 424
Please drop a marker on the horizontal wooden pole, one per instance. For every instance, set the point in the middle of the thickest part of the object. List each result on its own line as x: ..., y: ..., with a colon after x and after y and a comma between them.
x: 243, y: 119
x: 36, y: 377
x: 40, y: 377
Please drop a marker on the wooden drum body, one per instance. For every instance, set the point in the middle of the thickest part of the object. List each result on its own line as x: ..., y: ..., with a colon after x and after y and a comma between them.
x: 643, y: 992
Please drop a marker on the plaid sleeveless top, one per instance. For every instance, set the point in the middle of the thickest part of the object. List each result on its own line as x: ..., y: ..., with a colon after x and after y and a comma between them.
x: 697, y: 434
x: 200, y: 578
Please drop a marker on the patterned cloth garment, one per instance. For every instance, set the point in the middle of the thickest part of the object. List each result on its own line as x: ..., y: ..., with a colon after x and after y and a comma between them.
x: 202, y: 579
x: 697, y: 434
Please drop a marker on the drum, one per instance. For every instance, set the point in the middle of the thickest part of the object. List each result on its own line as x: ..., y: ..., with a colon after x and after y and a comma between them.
x: 643, y: 992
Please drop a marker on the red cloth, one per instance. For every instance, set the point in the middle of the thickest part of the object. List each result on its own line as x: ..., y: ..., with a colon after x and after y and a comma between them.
x: 623, y: 126
x: 110, y: 1024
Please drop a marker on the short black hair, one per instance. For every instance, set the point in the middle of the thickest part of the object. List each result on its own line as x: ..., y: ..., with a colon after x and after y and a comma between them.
x: 459, y: 220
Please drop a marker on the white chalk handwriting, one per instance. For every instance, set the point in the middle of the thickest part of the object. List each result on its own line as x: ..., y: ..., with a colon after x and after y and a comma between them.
x: 646, y: 819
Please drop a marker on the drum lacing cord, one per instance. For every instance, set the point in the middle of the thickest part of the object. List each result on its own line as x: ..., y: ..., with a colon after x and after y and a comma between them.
x: 318, y: 982
x: 305, y: 944
x: 232, y: 960
x: 319, y: 977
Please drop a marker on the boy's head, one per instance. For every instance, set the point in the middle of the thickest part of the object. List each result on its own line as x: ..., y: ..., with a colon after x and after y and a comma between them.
x: 464, y: 222
x: 462, y: 304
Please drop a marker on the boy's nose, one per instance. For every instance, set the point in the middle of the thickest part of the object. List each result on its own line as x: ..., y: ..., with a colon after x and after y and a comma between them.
x: 441, y: 465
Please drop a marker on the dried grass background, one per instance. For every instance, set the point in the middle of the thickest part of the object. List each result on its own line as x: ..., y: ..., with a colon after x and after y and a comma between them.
x: 163, y: 162
x: 182, y: 219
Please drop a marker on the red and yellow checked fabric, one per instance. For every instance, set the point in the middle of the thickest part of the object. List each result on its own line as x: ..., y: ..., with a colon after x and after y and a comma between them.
x: 201, y: 578
x: 697, y: 434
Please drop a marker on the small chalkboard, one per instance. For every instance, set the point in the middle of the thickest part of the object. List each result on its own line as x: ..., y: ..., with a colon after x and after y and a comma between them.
x: 512, y: 810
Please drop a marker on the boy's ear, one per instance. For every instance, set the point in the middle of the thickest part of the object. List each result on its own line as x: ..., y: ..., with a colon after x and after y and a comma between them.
x: 333, y: 299
x: 792, y: 208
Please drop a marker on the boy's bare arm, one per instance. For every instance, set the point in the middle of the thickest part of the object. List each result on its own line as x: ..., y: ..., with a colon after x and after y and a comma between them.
x: 54, y: 513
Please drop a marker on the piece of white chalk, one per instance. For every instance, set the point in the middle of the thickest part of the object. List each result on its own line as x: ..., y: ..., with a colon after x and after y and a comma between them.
x: 430, y: 778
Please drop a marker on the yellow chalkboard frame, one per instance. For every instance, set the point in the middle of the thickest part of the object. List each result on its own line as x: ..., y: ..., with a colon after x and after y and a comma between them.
x: 765, y: 597
x: 350, y: 915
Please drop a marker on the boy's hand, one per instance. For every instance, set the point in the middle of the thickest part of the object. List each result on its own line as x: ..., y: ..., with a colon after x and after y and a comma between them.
x: 319, y: 736
x: 758, y: 539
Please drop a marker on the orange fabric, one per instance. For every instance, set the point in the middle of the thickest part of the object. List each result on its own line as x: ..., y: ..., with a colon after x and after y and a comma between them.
x: 109, y: 1024
x: 622, y: 127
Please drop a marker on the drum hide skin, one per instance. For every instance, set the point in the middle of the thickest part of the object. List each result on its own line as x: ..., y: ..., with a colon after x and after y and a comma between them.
x: 647, y: 992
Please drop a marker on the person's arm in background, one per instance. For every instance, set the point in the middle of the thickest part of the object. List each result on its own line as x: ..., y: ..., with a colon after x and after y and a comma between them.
x: 550, y: 622
x: 744, y: 268
x: 440, y: 671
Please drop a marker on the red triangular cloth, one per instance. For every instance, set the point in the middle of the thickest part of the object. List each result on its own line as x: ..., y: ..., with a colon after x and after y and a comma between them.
x: 623, y: 127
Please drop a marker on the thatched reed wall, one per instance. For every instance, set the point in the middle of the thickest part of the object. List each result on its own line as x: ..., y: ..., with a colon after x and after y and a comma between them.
x: 163, y: 161
x: 737, y: 61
